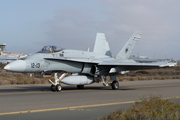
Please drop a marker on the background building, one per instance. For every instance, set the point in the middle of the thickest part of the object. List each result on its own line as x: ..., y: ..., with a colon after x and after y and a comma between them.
x: 2, y: 48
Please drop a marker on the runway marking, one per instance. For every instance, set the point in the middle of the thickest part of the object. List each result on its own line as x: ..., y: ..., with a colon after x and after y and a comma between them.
x: 84, y: 89
x: 76, y: 107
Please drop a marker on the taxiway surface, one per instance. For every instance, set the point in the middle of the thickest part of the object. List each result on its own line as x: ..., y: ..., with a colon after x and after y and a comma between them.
x: 38, y: 102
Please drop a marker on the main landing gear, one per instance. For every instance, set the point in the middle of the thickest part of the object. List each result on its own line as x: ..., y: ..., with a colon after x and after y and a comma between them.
x: 55, y: 85
x: 114, y: 84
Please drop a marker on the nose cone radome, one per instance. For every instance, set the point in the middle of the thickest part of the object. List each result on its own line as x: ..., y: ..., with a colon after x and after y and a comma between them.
x: 7, y: 67
x: 16, y: 66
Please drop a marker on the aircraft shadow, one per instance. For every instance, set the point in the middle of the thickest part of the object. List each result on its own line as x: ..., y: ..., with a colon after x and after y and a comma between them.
x: 66, y: 88
x: 69, y: 88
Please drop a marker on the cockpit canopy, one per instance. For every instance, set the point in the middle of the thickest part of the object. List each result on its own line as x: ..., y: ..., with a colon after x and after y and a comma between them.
x: 50, y: 49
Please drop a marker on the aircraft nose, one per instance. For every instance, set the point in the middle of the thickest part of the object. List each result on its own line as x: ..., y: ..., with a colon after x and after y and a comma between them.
x: 16, y: 66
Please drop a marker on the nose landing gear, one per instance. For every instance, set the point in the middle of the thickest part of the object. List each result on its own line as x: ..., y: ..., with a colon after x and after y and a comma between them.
x: 55, y: 85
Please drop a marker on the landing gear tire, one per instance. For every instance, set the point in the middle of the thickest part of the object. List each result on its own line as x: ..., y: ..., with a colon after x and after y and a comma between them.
x: 53, y: 88
x: 58, y: 87
x: 80, y: 86
x: 115, y: 85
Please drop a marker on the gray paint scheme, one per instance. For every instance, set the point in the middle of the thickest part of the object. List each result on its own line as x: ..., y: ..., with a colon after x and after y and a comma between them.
x: 84, y: 63
x: 101, y: 45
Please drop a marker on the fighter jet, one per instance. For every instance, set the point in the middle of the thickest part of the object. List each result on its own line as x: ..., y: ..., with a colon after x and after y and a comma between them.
x: 86, y: 67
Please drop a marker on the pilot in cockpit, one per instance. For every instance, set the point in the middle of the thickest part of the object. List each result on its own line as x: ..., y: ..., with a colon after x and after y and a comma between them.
x: 54, y: 49
x: 50, y: 49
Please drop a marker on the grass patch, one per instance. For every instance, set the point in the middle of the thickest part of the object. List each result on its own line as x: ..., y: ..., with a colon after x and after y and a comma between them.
x: 143, y: 72
x: 178, y: 69
x: 21, y: 80
x: 11, y: 78
x: 155, y: 108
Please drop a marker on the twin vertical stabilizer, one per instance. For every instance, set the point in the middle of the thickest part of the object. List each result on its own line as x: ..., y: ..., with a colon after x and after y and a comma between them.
x: 101, y: 45
x: 126, y: 51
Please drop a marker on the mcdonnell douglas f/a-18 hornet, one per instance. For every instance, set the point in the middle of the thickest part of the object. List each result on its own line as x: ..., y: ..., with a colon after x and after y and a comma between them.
x: 86, y: 67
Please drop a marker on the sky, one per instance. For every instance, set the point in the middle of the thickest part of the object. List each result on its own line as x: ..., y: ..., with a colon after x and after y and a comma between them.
x: 28, y: 25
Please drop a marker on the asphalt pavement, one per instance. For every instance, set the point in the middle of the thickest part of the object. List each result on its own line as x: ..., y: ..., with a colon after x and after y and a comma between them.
x: 38, y: 102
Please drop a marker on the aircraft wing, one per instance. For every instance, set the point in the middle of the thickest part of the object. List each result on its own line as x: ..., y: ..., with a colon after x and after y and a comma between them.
x: 120, y: 66
x: 84, y: 60
x: 113, y: 64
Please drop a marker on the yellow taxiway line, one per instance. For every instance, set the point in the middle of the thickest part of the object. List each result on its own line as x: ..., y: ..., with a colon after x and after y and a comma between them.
x: 66, y: 108
x: 76, y: 107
